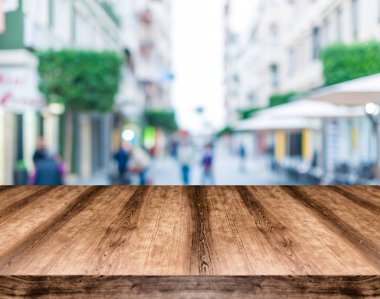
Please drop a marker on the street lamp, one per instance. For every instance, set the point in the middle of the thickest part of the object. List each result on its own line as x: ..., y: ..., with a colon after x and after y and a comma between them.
x: 56, y: 108
x: 372, y: 110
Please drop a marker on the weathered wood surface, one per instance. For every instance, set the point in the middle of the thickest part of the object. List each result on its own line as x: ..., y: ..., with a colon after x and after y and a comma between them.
x: 168, y: 231
x: 169, y: 287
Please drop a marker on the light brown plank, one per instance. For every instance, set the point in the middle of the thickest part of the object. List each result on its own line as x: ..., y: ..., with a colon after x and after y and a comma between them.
x: 190, y: 231
x: 357, y: 225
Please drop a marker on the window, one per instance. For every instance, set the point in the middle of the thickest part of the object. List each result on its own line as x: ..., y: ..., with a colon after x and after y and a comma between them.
x: 339, y: 33
x: 355, y: 18
x: 326, y: 32
x: 292, y: 62
x: 316, y: 43
x: 274, y: 76
x: 274, y: 34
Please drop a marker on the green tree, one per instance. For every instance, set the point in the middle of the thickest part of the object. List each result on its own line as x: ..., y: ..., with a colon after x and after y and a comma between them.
x: 162, y: 118
x: 81, y: 80
x: 347, y: 62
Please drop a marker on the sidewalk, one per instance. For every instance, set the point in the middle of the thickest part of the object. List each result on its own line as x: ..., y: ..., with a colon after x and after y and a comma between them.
x: 99, y: 179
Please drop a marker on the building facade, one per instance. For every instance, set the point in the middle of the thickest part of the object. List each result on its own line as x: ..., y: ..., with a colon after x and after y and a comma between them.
x: 153, y: 60
x: 281, y: 54
x: 286, y: 39
x: 24, y: 115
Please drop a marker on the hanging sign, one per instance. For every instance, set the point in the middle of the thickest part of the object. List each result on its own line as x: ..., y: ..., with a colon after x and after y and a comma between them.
x: 19, y: 90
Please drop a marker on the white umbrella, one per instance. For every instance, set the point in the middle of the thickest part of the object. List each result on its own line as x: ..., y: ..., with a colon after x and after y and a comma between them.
x: 351, y: 93
x: 312, y: 109
x: 263, y: 123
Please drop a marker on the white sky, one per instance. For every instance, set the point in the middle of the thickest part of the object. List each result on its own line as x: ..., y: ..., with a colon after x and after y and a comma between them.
x: 198, y: 35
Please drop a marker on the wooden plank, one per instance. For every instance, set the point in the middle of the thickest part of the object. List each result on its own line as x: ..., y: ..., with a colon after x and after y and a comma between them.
x: 322, y: 250
x: 348, y: 219
x: 224, y: 287
x: 14, y: 198
x: 18, y: 225
x: 72, y: 248
x: 13, y: 254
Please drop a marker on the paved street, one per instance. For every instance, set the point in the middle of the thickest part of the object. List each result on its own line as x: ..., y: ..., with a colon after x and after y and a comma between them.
x: 166, y: 171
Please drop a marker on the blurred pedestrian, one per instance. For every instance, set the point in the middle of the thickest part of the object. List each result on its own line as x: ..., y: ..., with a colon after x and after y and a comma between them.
x: 185, y: 158
x: 140, y: 163
x: 174, y: 144
x: 272, y: 156
x: 41, y: 151
x: 207, y: 165
x: 48, y: 172
x: 122, y: 157
x: 243, y: 158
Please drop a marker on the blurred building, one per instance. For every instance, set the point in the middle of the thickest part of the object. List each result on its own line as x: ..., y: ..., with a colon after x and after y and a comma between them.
x: 281, y: 51
x: 24, y: 116
x: 280, y: 54
x: 153, y: 59
x: 232, y: 67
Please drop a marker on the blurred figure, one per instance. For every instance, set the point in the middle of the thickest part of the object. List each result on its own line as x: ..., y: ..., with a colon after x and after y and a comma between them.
x: 122, y: 157
x: 270, y: 151
x: 173, y: 146
x: 48, y: 172
x: 243, y: 158
x: 207, y: 166
x: 41, y: 151
x: 185, y: 157
x: 140, y: 163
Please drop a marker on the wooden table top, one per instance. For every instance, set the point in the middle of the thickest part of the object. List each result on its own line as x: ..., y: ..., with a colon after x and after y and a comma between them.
x: 170, y: 231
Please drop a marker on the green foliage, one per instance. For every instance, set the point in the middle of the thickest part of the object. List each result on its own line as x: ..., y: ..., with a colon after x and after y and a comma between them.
x: 81, y: 80
x: 161, y: 118
x: 279, y: 99
x: 347, y: 62
x: 225, y: 131
x: 247, y: 113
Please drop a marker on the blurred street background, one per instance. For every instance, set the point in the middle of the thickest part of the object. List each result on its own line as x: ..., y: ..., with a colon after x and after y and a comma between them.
x: 170, y: 92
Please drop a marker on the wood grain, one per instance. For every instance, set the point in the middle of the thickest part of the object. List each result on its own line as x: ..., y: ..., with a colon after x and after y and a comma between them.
x: 224, y: 287
x: 252, y: 238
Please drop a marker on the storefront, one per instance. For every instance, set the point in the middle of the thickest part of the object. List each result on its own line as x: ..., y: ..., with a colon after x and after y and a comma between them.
x: 20, y: 123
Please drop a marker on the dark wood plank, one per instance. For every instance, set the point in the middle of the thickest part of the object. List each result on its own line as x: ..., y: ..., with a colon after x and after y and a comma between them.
x: 190, y: 287
x: 201, y: 246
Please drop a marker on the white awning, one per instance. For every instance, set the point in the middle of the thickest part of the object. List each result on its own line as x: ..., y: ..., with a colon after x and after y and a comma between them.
x: 312, y: 109
x: 351, y: 93
x: 263, y: 123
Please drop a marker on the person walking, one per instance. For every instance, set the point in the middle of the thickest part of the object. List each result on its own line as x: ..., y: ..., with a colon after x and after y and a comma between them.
x: 207, y: 166
x: 48, y: 172
x: 185, y: 158
x: 243, y: 158
x: 41, y: 151
x: 122, y: 157
x: 140, y: 163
